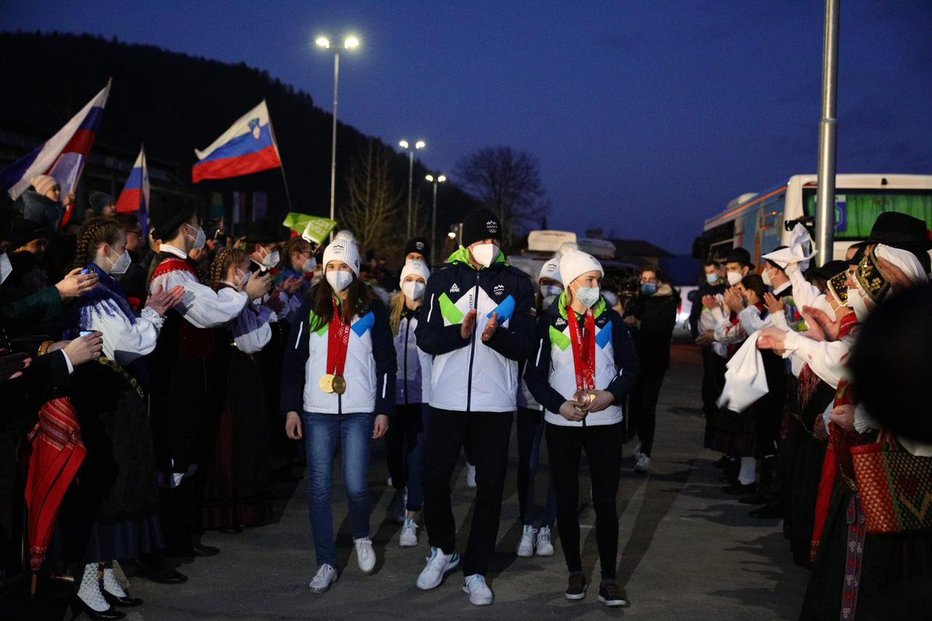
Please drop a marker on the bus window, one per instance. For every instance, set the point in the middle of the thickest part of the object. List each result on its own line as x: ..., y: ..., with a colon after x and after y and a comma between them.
x: 856, y: 210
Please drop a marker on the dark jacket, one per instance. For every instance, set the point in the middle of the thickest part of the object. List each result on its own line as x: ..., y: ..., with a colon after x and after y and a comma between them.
x: 656, y: 316
x: 42, y: 210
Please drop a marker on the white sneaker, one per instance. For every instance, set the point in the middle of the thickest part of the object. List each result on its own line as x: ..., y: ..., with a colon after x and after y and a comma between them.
x: 636, y: 453
x: 470, y: 476
x: 479, y: 592
x: 544, y: 546
x: 324, y: 577
x: 643, y: 463
x: 365, y: 555
x: 408, y: 536
x: 438, y: 564
x: 528, y: 539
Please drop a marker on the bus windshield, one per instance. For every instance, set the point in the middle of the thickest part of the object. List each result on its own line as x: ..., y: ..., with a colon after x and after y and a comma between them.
x: 856, y: 210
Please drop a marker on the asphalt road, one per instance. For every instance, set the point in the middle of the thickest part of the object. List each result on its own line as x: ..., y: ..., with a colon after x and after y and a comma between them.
x: 687, y: 550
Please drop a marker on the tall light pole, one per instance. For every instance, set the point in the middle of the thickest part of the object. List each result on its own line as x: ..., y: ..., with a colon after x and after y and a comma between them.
x: 411, y: 148
x: 349, y: 43
x: 433, y: 218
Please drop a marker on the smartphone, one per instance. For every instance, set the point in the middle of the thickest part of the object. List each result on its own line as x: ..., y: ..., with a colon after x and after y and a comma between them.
x: 85, y: 332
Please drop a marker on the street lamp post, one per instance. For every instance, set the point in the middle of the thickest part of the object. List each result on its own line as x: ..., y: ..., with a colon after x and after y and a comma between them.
x: 349, y: 43
x: 433, y: 218
x: 411, y: 148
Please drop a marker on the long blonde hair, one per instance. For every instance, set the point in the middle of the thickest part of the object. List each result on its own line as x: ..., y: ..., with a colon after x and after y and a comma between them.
x: 396, y: 308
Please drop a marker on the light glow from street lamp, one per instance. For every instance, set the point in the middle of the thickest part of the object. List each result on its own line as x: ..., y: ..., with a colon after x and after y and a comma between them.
x: 351, y: 42
x: 420, y: 144
x: 430, y: 178
x: 403, y: 144
x: 441, y: 179
x: 323, y: 42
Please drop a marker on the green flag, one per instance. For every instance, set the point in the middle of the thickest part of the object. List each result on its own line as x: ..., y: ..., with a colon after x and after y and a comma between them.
x: 312, y: 228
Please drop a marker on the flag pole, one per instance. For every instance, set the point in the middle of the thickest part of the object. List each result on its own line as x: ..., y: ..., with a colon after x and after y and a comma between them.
x: 282, y: 167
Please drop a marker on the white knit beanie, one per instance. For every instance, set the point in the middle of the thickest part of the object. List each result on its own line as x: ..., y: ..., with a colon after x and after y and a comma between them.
x: 414, y: 267
x: 342, y: 250
x: 575, y: 263
x: 550, y: 269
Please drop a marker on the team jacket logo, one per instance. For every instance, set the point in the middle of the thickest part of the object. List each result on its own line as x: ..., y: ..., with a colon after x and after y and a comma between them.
x: 560, y: 322
x: 455, y: 288
x: 499, y: 289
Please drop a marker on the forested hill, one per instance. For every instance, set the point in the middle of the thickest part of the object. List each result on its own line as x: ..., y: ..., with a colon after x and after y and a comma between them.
x: 175, y: 103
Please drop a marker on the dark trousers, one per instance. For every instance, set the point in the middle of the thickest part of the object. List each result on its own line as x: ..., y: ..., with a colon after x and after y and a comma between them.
x: 602, y: 444
x: 530, y: 430
x: 643, y: 405
x: 404, y: 452
x: 488, y: 435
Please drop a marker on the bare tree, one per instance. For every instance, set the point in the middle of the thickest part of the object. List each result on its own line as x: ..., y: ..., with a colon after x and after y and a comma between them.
x: 508, y: 183
x: 375, y: 202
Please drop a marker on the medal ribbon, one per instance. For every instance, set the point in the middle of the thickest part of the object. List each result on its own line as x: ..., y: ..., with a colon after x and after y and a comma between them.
x: 583, y: 349
x: 337, y: 342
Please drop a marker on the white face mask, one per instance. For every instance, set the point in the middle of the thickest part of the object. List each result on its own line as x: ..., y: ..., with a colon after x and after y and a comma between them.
x: 484, y: 254
x: 765, y: 276
x: 6, y: 268
x: 339, y: 279
x: 712, y: 279
x: 413, y: 289
x: 588, y: 295
x: 309, y: 266
x: 734, y: 278
x: 120, y: 265
x: 551, y: 291
x: 857, y: 304
x: 271, y: 259
x: 242, y: 280
x: 199, y: 239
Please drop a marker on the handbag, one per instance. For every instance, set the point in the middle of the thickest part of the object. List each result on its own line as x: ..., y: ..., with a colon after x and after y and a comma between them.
x: 895, y: 487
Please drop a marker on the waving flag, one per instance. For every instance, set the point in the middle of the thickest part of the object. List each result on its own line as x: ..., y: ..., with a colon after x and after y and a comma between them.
x: 63, y: 155
x: 135, y: 194
x: 247, y: 147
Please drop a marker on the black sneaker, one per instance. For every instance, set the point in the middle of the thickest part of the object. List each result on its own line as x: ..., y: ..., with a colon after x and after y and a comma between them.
x: 576, y: 587
x: 613, y: 595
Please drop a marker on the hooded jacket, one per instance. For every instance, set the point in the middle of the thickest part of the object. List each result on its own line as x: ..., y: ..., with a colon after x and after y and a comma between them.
x: 468, y: 374
x: 551, y: 373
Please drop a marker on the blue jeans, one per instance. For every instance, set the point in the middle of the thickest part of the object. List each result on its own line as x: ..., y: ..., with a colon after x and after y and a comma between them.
x: 323, y: 433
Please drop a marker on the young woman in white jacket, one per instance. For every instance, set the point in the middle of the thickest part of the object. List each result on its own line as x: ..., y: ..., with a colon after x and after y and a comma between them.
x: 338, y: 389
x: 404, y: 443
x: 583, y: 369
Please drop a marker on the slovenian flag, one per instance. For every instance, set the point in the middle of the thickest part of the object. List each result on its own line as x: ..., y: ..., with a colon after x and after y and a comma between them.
x: 61, y: 156
x: 247, y: 147
x: 135, y: 194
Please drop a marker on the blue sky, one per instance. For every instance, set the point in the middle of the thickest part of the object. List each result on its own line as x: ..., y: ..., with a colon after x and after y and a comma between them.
x: 646, y: 117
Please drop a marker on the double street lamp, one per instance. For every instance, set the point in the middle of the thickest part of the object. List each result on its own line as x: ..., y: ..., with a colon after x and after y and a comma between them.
x: 411, y: 148
x: 349, y: 43
x: 433, y: 218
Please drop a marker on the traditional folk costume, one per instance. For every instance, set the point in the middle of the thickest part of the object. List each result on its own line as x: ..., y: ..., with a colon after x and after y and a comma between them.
x: 239, y: 483
x: 187, y: 387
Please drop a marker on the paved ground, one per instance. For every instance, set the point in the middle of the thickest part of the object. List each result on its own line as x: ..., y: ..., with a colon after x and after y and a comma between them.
x: 688, y: 551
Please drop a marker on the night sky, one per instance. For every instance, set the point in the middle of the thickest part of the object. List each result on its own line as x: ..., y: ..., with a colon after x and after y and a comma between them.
x: 646, y: 116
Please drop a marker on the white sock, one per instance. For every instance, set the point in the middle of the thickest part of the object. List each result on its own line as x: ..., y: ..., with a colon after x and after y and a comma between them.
x: 121, y: 578
x: 111, y: 584
x: 89, y: 592
x: 748, y: 472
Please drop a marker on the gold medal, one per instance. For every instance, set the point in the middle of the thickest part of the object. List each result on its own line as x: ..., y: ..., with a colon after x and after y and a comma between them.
x: 339, y: 384
x: 326, y: 383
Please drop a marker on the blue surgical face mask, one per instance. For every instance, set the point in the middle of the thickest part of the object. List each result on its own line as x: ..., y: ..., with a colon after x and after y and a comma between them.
x: 551, y: 291
x: 648, y: 288
x: 712, y: 278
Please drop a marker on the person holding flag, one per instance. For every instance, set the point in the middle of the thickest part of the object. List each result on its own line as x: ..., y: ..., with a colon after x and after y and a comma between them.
x: 585, y: 365
x: 338, y: 390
